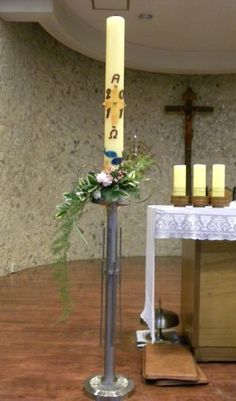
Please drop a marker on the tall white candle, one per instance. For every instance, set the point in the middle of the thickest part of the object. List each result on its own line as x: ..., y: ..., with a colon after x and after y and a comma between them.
x: 114, y: 92
x: 199, y: 180
x: 179, y: 180
x: 218, y: 180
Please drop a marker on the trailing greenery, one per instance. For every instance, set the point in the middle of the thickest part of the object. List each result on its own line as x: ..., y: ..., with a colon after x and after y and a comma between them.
x: 119, y: 183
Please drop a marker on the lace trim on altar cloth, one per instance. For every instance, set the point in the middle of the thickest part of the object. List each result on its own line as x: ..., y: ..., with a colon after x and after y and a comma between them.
x: 195, y: 226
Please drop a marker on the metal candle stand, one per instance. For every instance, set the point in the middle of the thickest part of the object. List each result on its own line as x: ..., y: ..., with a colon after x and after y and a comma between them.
x: 109, y: 386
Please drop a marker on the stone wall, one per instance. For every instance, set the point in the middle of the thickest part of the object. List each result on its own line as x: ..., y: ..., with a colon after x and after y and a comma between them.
x: 51, y: 130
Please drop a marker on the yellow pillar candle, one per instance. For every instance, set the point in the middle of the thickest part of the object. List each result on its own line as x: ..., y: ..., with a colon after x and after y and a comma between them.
x: 218, y: 180
x: 179, y: 180
x: 114, y: 92
x: 199, y: 180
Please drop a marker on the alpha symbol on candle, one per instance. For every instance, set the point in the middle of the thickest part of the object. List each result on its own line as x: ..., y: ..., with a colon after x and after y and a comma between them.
x: 114, y: 104
x: 116, y: 77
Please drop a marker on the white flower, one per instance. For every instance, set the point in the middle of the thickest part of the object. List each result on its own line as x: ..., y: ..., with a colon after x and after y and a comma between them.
x: 101, y: 177
x: 80, y: 195
x: 104, y: 179
x: 97, y: 195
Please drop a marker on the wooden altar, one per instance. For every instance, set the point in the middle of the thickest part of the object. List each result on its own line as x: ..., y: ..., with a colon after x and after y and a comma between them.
x: 209, y: 273
x: 208, y: 298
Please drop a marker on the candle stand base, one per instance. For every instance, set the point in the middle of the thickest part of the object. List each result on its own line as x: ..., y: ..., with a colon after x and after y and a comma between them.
x: 179, y: 200
x: 121, y: 387
x: 200, y: 201
x: 218, y: 201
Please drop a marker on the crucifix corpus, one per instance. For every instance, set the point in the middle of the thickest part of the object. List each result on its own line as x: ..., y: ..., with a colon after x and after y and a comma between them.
x: 188, y: 110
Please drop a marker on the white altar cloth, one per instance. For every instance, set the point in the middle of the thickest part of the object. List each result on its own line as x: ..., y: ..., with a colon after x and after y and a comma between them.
x: 202, y: 223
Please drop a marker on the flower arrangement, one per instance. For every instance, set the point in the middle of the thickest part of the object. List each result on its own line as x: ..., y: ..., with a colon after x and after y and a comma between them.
x: 119, y: 183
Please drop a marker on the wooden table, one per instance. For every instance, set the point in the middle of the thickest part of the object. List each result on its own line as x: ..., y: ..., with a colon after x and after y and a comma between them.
x: 203, y: 230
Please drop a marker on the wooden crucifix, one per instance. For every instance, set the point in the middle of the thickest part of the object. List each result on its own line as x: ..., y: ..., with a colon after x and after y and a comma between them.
x: 188, y: 110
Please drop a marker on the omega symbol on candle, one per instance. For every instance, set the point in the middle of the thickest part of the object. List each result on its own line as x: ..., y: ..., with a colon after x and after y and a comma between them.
x: 113, y: 134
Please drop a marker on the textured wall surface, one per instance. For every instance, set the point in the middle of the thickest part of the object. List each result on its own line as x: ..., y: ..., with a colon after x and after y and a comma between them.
x: 51, y: 130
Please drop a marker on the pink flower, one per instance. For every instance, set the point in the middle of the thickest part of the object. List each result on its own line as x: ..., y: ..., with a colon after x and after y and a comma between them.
x: 108, y: 181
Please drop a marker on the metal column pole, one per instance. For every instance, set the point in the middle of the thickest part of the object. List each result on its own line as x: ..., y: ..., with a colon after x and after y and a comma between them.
x: 111, y: 286
x: 109, y: 386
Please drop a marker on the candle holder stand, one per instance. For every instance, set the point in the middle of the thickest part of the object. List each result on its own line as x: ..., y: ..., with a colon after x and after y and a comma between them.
x: 179, y: 200
x: 219, y: 201
x: 199, y: 201
x: 110, y: 386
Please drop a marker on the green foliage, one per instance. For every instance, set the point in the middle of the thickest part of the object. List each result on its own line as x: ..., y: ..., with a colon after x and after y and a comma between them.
x: 118, y: 184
